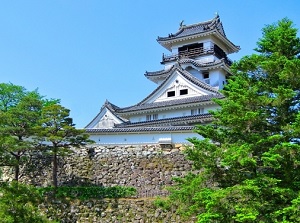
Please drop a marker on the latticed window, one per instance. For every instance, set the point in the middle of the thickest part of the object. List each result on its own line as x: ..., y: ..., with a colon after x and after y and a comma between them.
x: 151, y: 117
x: 197, y: 111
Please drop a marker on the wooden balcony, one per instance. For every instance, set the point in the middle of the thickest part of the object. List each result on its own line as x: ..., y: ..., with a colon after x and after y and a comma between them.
x: 195, y: 52
x: 190, y: 53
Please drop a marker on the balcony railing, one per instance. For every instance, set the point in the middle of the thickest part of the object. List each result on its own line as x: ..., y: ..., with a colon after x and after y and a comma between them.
x: 192, y: 53
x: 188, y: 53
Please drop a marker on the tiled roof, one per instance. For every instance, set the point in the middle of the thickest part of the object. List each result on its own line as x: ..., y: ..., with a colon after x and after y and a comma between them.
x: 159, y: 73
x: 174, y: 102
x: 213, y: 27
x: 198, y: 28
x: 192, y: 119
x: 196, y: 63
x: 142, y: 129
x: 201, y: 64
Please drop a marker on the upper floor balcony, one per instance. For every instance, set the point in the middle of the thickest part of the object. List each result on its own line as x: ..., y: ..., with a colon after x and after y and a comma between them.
x: 196, y: 52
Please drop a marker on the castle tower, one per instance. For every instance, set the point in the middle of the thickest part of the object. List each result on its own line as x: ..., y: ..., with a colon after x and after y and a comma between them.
x: 194, y: 72
x: 201, y: 49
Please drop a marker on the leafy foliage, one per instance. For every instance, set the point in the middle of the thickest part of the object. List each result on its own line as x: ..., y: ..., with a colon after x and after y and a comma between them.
x: 90, y: 192
x: 19, y: 203
x: 57, y: 133
x: 250, y: 157
x: 19, y: 114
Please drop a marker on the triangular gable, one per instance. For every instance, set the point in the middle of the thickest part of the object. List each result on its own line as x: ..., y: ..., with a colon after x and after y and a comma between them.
x: 179, y: 84
x: 105, y: 119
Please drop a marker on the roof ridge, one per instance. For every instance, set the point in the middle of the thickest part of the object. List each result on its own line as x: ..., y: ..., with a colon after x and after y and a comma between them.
x: 201, y: 23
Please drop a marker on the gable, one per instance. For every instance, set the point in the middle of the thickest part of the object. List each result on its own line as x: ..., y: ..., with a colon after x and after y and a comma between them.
x: 177, y: 86
x: 105, y: 119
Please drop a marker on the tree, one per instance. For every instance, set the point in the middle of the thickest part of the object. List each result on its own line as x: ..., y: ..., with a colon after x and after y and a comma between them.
x: 58, y: 134
x: 250, y: 157
x: 19, y: 203
x: 19, y: 114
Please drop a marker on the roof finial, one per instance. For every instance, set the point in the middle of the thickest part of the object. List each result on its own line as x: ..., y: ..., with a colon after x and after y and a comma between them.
x: 217, y: 14
x: 181, y: 23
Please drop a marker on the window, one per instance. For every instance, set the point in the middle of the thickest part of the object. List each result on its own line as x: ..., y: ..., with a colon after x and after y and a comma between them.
x: 194, y: 112
x: 200, y: 110
x: 205, y: 74
x: 197, y: 111
x: 148, y: 117
x: 183, y: 91
x: 171, y: 93
x: 151, y: 117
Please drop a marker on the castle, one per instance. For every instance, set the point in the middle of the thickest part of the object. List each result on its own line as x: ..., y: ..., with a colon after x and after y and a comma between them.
x: 194, y: 72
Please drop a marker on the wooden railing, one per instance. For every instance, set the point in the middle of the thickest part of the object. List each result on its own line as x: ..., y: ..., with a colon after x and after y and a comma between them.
x: 188, y: 53
x: 191, y: 53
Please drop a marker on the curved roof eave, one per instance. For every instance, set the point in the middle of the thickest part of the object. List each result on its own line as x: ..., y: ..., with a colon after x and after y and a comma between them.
x: 200, y: 118
x: 168, y: 43
x: 165, y: 105
x: 142, y: 130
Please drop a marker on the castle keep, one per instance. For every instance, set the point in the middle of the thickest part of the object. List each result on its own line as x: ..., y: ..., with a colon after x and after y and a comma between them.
x: 193, y: 74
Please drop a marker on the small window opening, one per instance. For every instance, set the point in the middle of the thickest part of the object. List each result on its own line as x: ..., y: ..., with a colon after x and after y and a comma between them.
x: 148, y: 117
x: 183, y: 91
x: 198, y: 111
x: 205, y: 75
x: 171, y: 93
x: 151, y: 117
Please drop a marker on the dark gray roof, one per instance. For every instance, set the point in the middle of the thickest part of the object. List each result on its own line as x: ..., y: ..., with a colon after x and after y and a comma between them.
x: 190, y: 100
x: 213, y: 26
x: 191, y: 119
x: 143, y: 129
x: 159, y: 73
x: 189, y: 30
x: 199, y: 64
x: 196, y: 63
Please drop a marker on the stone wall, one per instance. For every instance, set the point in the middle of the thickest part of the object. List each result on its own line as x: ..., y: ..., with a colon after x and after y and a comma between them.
x: 139, y: 210
x: 148, y: 168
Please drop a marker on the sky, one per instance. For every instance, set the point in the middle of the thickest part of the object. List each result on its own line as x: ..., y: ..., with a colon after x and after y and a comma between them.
x: 85, y: 52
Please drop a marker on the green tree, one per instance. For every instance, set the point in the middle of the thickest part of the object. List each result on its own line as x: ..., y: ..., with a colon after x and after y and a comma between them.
x: 58, y: 134
x: 18, y: 203
x: 250, y: 157
x: 19, y: 114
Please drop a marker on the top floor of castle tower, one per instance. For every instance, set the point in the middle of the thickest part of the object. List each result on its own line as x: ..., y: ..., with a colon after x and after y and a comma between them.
x: 204, y: 42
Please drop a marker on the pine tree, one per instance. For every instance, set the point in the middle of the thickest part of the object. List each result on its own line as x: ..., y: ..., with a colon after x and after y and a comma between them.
x: 19, y: 114
x: 250, y: 157
x: 57, y: 134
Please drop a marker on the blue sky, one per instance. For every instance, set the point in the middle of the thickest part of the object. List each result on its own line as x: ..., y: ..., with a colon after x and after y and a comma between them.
x: 84, y: 52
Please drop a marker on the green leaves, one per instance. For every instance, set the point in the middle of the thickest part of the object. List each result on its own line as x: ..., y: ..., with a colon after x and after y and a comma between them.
x: 19, y: 203
x: 57, y: 133
x: 248, y: 161
x: 89, y: 192
x: 19, y: 115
